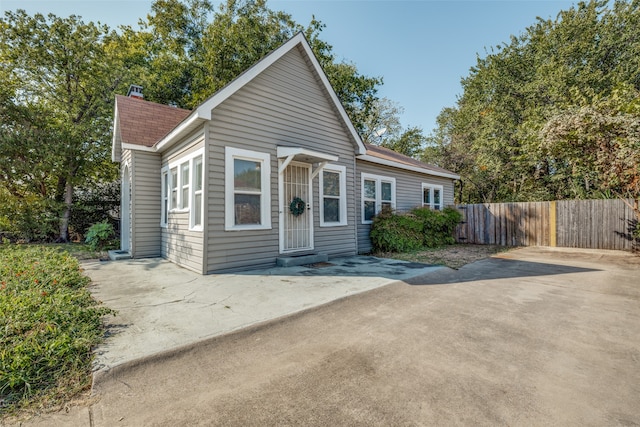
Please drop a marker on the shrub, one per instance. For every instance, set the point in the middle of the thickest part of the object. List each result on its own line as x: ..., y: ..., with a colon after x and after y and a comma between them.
x: 391, y: 232
x: 30, y: 218
x: 98, y: 203
x: 33, y: 217
x: 99, y: 235
x: 49, y: 325
x: 417, y: 229
x: 438, y: 226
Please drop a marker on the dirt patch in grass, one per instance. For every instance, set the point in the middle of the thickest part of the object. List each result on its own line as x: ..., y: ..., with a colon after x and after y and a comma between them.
x: 454, y: 256
x: 80, y: 251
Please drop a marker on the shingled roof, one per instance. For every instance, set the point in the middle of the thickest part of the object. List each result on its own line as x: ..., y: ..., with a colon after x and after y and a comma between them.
x: 390, y: 155
x: 145, y: 123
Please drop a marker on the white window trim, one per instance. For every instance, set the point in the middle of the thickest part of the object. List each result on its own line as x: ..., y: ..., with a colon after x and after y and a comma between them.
x: 173, y: 208
x: 431, y: 188
x: 192, y: 215
x: 177, y: 164
x: 182, y: 186
x: 379, y: 179
x: 231, y: 153
x: 166, y: 189
x: 342, y: 172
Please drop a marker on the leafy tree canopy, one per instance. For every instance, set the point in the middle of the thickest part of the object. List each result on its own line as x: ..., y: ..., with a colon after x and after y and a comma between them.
x: 188, y: 51
x: 553, y: 113
x: 60, y: 76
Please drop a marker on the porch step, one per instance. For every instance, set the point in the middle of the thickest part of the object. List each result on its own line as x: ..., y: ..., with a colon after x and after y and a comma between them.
x: 116, y: 255
x: 294, y: 260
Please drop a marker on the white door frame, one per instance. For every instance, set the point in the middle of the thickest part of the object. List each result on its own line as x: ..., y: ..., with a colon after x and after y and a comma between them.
x: 283, y: 207
x: 125, y: 213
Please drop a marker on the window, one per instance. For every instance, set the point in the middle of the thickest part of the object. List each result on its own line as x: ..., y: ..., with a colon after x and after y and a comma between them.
x: 378, y: 192
x: 247, y: 190
x: 432, y: 196
x: 174, y: 189
x: 196, y: 212
x: 333, y: 191
x: 165, y: 198
x: 184, y: 185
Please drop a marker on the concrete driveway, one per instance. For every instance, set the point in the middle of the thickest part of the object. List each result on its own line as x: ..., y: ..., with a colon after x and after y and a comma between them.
x: 161, y: 306
x: 533, y: 337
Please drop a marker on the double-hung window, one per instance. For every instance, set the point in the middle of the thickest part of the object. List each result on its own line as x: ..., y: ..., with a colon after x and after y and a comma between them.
x: 184, y: 185
x: 165, y: 198
x: 174, y: 189
x: 196, y: 211
x: 333, y: 196
x: 432, y: 196
x: 182, y: 189
x: 247, y: 189
x: 378, y: 193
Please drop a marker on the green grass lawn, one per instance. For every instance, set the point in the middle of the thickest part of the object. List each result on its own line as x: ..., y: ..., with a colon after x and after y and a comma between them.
x: 49, y: 324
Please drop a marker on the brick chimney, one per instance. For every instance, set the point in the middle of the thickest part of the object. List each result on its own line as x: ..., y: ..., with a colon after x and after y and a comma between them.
x: 135, y: 91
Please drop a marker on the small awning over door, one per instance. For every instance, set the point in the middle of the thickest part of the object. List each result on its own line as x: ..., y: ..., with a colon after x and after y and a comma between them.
x: 304, y: 155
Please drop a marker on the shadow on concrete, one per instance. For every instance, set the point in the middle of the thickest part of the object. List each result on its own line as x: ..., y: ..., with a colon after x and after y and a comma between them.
x: 352, y: 266
x: 495, y: 268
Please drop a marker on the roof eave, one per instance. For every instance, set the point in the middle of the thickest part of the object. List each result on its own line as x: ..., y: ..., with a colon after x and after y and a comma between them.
x: 116, y: 156
x: 188, y: 125
x: 373, y: 159
x: 137, y: 147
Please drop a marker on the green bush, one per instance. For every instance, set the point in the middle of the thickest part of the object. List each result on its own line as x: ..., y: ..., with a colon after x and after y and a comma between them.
x: 49, y: 323
x: 99, y: 235
x: 391, y: 232
x: 420, y: 228
x: 438, y: 226
x: 30, y: 218
x: 98, y: 202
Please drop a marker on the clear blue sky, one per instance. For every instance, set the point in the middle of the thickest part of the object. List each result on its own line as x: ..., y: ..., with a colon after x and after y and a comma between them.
x: 421, y: 48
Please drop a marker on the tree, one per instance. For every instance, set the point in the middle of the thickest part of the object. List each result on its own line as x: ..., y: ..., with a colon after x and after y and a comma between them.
x: 382, y: 123
x: 187, y: 58
x: 598, y: 145
x: 506, y: 136
x: 57, y: 110
x: 410, y: 142
x: 59, y: 78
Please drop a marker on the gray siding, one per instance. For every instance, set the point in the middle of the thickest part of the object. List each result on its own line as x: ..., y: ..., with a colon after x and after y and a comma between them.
x: 179, y: 244
x: 408, y: 193
x: 145, y: 207
x: 287, y: 106
x: 126, y: 158
x: 336, y: 240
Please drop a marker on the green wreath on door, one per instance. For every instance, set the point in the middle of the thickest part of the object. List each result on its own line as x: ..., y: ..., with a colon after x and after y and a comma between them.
x: 297, y: 206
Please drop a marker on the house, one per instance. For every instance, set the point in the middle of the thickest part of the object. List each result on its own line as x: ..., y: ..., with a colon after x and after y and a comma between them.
x: 268, y: 167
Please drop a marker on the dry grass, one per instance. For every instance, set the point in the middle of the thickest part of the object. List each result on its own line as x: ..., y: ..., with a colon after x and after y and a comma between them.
x: 454, y: 256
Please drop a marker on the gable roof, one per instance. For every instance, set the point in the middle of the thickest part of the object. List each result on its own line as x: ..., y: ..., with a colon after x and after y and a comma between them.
x: 203, y: 111
x: 165, y: 125
x: 385, y: 156
x: 158, y: 120
x: 171, y: 124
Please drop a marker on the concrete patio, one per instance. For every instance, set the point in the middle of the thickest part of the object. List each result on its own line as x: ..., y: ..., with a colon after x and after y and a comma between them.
x: 161, y: 306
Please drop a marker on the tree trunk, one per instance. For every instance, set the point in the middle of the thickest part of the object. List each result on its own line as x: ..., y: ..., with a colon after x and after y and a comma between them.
x: 64, y: 221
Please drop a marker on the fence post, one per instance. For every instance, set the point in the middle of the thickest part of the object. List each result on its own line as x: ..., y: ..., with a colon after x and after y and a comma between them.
x: 552, y: 224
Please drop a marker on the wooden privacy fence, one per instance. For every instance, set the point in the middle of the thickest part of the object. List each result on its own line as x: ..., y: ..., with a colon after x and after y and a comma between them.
x: 590, y: 224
